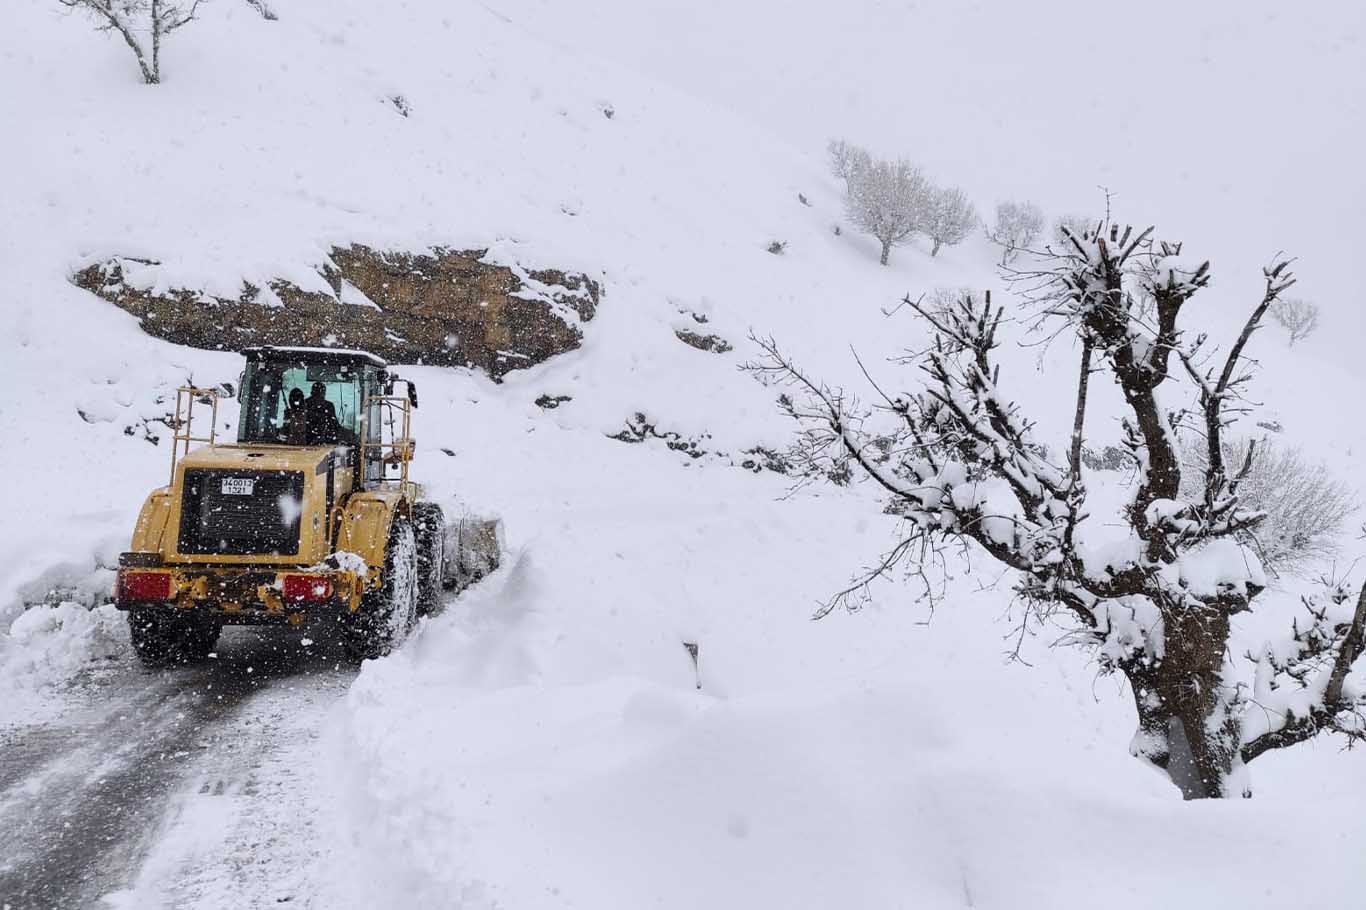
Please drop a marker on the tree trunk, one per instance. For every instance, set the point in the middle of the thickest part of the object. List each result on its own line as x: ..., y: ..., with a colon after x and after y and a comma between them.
x: 934, y: 251
x: 1079, y: 416
x: 149, y: 74
x: 1183, y: 725
x: 886, y: 251
x: 156, y: 43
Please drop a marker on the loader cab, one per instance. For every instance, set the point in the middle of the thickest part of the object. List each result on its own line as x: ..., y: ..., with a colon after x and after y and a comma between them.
x: 309, y: 397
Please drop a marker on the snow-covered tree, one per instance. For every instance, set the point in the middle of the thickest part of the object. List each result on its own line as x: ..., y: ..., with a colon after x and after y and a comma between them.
x: 1065, y: 225
x: 846, y: 160
x: 950, y: 219
x: 1297, y: 316
x: 893, y: 200
x: 889, y: 200
x: 1304, y: 504
x: 1017, y: 225
x: 1151, y: 594
x: 141, y: 23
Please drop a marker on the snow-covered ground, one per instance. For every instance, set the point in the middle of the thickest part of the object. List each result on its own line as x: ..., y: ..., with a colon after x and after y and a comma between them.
x: 547, y: 740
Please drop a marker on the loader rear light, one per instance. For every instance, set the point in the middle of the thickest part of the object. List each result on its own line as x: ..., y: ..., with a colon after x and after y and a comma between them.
x: 134, y: 586
x: 304, y: 588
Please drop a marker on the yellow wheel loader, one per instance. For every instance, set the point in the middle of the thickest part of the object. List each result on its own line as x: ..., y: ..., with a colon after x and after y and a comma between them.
x: 309, y: 514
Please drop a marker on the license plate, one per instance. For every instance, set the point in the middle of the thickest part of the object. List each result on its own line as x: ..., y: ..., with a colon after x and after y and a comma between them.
x: 238, y: 486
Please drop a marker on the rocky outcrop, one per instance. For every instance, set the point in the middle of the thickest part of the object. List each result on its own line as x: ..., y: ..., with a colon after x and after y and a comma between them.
x: 640, y: 428
x: 441, y: 307
x: 714, y: 344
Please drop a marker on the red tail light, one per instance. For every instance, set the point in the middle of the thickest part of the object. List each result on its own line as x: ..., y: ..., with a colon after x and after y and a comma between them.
x: 134, y: 586
x: 301, y: 588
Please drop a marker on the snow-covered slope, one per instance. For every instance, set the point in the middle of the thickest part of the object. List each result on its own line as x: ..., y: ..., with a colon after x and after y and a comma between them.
x: 544, y: 742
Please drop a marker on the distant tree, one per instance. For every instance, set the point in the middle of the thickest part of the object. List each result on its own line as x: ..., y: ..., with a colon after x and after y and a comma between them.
x: 1153, y: 594
x: 1108, y: 458
x: 1305, y: 505
x: 846, y: 160
x: 142, y: 24
x: 1297, y: 316
x: 1017, y: 225
x: 889, y: 200
x: 950, y: 217
x: 1076, y: 225
x: 942, y: 301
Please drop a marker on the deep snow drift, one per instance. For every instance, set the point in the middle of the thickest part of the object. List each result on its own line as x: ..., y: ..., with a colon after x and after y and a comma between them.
x: 544, y: 742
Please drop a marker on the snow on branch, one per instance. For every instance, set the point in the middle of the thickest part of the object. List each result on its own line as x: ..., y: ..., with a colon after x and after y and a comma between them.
x: 1304, y: 505
x: 957, y: 459
x: 1303, y: 684
x: 1220, y: 497
x: 1104, y: 282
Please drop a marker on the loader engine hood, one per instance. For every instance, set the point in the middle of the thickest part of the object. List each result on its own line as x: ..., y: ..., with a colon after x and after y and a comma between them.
x: 261, y: 457
x: 255, y: 504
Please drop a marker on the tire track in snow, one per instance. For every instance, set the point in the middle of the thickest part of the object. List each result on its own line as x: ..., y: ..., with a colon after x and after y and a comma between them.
x: 81, y: 803
x: 249, y: 826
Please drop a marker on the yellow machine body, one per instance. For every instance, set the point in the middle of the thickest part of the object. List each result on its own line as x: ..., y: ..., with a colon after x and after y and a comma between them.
x: 343, y: 517
x: 357, y: 523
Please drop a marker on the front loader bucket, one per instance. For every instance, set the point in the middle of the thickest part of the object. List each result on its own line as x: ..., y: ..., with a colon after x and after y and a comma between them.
x: 474, y: 548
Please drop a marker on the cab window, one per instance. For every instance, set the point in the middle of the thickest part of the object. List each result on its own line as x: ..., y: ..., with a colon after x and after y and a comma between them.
x: 300, y: 404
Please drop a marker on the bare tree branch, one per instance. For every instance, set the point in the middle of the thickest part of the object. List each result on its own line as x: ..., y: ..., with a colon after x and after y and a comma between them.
x: 1278, y: 280
x: 1345, y: 643
x: 129, y: 17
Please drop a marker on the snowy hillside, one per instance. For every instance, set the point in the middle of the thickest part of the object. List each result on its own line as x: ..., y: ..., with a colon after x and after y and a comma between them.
x: 547, y: 740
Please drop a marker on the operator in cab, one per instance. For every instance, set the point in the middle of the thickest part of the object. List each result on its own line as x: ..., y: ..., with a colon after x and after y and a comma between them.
x: 296, y: 419
x: 320, y: 418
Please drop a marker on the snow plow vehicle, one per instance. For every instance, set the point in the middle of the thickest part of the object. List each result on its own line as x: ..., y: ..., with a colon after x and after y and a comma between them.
x: 308, y: 515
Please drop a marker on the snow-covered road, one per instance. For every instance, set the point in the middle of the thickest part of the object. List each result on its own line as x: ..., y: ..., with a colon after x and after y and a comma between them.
x: 198, y: 786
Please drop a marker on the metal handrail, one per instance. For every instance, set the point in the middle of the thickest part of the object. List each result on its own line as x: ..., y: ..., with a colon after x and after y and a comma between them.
x: 181, y: 431
x: 400, y: 447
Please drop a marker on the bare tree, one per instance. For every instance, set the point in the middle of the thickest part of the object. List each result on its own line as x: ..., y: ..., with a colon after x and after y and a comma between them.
x: 846, y: 160
x: 142, y: 24
x: 1017, y: 225
x: 963, y: 465
x: 888, y: 199
x: 1297, y: 316
x: 943, y: 300
x: 1304, y: 504
x: 950, y: 219
x: 1070, y: 225
x: 893, y: 200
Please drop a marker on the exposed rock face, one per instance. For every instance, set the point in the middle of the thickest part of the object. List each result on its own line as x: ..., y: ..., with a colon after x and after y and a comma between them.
x: 442, y: 307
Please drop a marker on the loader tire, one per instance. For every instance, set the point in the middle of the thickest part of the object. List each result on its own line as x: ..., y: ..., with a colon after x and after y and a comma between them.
x: 386, y: 615
x: 430, y: 526
x: 162, y: 638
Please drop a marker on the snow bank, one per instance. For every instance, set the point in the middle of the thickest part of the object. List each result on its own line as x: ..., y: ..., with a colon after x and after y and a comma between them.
x: 543, y: 741
x: 543, y: 744
x: 47, y: 645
